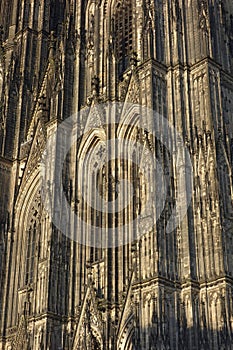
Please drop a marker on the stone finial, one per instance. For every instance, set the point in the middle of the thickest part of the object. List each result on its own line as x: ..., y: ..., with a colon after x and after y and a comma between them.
x: 133, y: 60
x: 95, y: 86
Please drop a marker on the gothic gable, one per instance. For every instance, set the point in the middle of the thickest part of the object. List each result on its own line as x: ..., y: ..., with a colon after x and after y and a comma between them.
x: 20, y: 340
x: 37, y: 146
x: 133, y: 92
x: 127, y: 321
x: 89, y: 329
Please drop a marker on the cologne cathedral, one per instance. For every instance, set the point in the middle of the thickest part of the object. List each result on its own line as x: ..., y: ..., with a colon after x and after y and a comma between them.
x: 155, y: 288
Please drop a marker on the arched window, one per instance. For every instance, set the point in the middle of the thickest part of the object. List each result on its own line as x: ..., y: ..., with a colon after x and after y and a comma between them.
x: 30, y: 257
x: 123, y: 30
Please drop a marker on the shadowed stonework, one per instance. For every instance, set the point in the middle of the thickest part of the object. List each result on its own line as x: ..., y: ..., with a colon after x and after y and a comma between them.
x: 116, y: 223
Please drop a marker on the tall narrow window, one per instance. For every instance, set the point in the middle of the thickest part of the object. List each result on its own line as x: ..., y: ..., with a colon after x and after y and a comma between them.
x: 123, y: 30
x: 31, y: 240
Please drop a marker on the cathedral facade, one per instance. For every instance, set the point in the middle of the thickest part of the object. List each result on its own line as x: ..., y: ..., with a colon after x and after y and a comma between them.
x: 81, y: 276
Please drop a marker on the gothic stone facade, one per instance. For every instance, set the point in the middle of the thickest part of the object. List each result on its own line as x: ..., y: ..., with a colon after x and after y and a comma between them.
x: 161, y: 291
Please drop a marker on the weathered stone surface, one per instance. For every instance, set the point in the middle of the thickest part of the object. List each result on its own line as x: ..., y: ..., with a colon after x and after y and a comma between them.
x: 162, y: 290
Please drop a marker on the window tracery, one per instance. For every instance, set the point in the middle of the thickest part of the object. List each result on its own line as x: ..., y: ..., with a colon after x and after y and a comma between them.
x: 32, y: 234
x: 30, y: 254
x: 123, y: 30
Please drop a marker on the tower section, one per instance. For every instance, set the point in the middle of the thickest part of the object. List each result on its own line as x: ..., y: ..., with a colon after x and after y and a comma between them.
x: 108, y: 278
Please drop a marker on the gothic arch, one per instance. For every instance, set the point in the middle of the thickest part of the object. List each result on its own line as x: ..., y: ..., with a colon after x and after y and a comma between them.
x: 109, y: 6
x: 116, y: 13
x: 125, y: 339
x: 91, y: 170
x: 123, y: 34
x: 24, y: 205
x: 32, y: 233
x: 131, y: 130
x: 128, y: 125
x: 91, y: 26
x: 28, y: 220
x: 26, y: 198
x: 90, y: 140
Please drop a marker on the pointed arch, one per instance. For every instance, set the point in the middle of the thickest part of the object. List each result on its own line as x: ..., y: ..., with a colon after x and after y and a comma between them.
x: 123, y: 33
x: 31, y: 247
x: 28, y: 229
x: 90, y: 140
x: 26, y: 237
x: 126, y: 336
x: 129, y: 122
x: 91, y: 175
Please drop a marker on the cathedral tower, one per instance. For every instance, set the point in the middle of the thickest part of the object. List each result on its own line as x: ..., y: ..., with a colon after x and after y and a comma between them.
x: 65, y: 282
